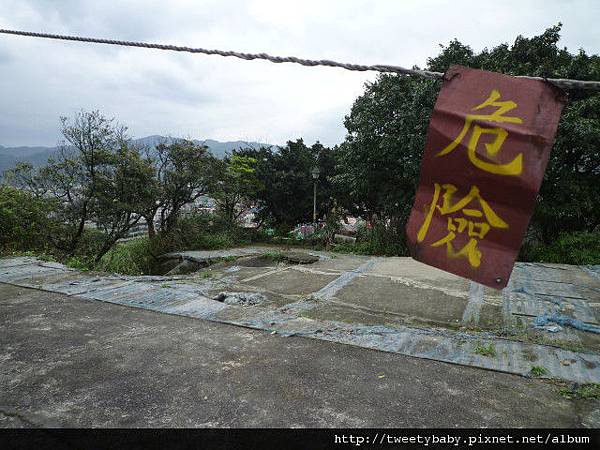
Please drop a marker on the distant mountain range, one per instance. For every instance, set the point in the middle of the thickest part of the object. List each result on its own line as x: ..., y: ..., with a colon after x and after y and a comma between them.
x: 38, y: 156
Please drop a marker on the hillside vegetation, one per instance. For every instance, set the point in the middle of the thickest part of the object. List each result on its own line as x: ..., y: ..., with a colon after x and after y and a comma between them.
x: 101, y: 177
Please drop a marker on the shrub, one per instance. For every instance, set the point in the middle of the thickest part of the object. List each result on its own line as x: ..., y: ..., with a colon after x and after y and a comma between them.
x: 24, y: 221
x: 75, y: 262
x: 128, y: 258
x: 359, y: 248
x: 209, y: 241
x: 381, y: 239
x: 89, y: 246
x: 570, y: 248
x: 275, y: 256
x: 201, y: 231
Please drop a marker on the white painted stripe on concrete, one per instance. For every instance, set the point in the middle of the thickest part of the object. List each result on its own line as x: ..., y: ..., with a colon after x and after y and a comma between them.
x: 435, y: 344
x: 507, y: 305
x: 592, y: 270
x: 333, y: 287
x: 265, y: 274
x: 473, y: 308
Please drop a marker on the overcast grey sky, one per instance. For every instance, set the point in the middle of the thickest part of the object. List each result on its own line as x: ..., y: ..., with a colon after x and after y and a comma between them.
x: 154, y: 92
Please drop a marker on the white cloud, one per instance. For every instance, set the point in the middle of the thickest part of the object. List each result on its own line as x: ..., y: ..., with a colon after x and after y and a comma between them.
x: 224, y: 98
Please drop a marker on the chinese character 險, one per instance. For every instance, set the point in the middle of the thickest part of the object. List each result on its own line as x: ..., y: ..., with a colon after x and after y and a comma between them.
x: 471, y: 215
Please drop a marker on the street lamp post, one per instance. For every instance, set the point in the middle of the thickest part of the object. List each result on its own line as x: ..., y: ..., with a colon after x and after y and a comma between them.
x: 315, y: 174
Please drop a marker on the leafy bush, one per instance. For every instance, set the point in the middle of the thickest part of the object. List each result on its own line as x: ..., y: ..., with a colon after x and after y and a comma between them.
x: 381, y: 239
x: 202, y: 231
x: 359, y: 248
x: 216, y: 241
x: 128, y: 258
x: 89, y: 246
x: 275, y: 256
x: 74, y: 262
x: 191, y: 232
x: 24, y: 221
x: 570, y: 248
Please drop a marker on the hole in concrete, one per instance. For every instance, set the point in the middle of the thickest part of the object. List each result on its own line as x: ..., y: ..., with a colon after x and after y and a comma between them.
x: 179, y: 265
x: 240, y: 298
x: 273, y: 258
x: 255, y: 261
x: 300, y: 258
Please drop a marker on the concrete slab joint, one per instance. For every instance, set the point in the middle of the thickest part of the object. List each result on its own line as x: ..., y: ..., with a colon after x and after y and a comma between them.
x: 389, y: 304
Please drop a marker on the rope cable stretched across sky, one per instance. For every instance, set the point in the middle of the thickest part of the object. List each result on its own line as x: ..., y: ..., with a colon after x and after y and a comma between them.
x: 560, y: 82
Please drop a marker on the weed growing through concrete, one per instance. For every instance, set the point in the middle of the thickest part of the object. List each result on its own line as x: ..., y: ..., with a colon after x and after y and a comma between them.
x: 485, y: 350
x: 537, y: 338
x: 165, y: 285
x: 454, y: 326
x: 538, y: 371
x: 573, y: 346
x: 275, y: 256
x: 205, y: 274
x: 228, y: 258
x: 470, y: 328
x: 585, y: 391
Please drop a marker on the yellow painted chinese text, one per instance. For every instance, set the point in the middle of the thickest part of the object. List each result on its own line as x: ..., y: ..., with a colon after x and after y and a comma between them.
x: 475, y: 221
x: 515, y: 167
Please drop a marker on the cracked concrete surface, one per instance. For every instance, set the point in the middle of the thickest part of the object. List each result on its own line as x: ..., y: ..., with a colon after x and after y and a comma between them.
x: 90, y: 349
x: 70, y: 362
x: 391, y: 304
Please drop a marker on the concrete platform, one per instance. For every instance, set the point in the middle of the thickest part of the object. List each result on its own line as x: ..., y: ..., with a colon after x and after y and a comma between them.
x: 391, y: 304
x: 71, y: 362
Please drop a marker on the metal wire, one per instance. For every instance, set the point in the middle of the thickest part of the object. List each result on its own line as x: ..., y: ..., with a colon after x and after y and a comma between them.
x: 562, y: 83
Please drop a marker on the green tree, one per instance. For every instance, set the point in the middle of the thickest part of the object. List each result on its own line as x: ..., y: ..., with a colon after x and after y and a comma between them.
x: 285, y: 193
x: 96, y: 178
x: 235, y: 186
x: 569, y: 198
x: 182, y: 172
x: 379, y: 160
x: 24, y: 176
x: 117, y: 202
x: 74, y: 177
x: 24, y: 220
